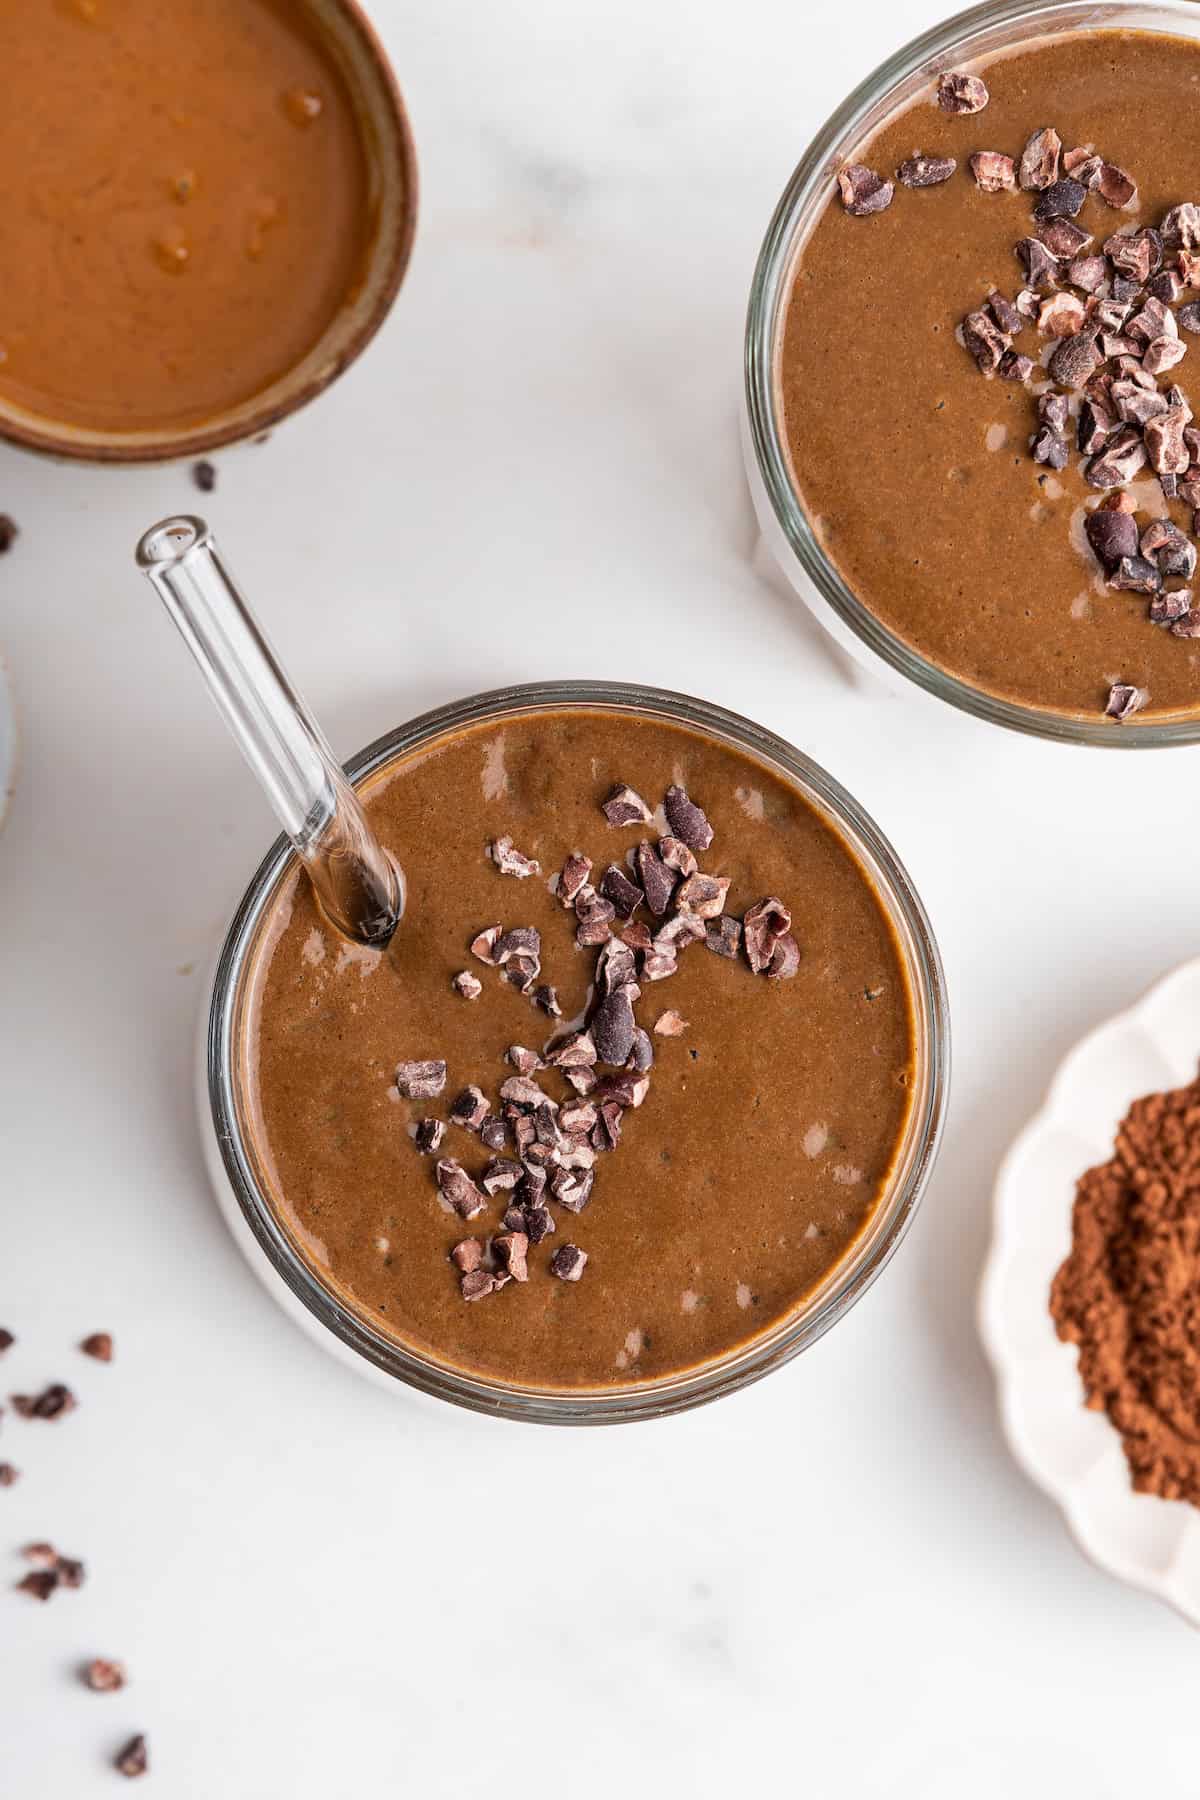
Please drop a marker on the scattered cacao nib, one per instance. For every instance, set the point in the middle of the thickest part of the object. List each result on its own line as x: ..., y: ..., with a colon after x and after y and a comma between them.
x: 994, y: 173
x: 467, y: 985
x: 785, y: 959
x: 9, y: 1475
x: 616, y: 967
x: 1189, y: 492
x: 1113, y: 536
x: 703, y: 896
x: 1027, y: 303
x: 509, y: 861
x: 568, y: 1262
x: 724, y: 936
x: 1110, y: 315
x: 524, y: 1061
x: 1079, y: 161
x: 470, y: 1109
x: 572, y: 1189
x: 54, y: 1402
x: 420, y: 1080
x: 925, y: 171
x: 607, y: 1135
x: 1064, y: 240
x: 1125, y: 292
x: 539, y: 1223
x: 625, y: 807
x: 1075, y: 361
x: 1013, y: 367
x: 1124, y: 700
x: 1135, y: 254
x: 1038, y: 168
x: 1165, y: 447
x: 1061, y: 315
x: 71, y: 1572
x: 1187, y: 627
x: 9, y: 533
x: 984, y: 341
x: 612, y: 1026
x: 484, y: 945
x: 1153, y: 321
x: 429, y: 1135
x: 636, y: 936
x: 581, y: 1079
x: 675, y: 853
x: 1040, y: 264
x: 204, y: 475
x: 576, y: 872
x: 688, y: 821
x: 103, y: 1676
x: 457, y: 1188
x: 578, y: 1116
x: 519, y: 1090
x: 1006, y: 316
x: 574, y: 1052
x: 1054, y: 410
x: 1181, y: 226
x: 958, y: 92
x: 658, y: 882
x: 133, y: 1759
x: 546, y: 999
x: 521, y: 940
x: 512, y: 1248
x: 98, y: 1345
x: 1165, y: 609
x: 1063, y: 199
x: 1136, y: 404
x: 501, y: 1174
x: 467, y: 1256
x: 670, y: 1024
x: 7, y: 1340
x: 1168, y: 286
x: 1094, y: 427
x: 477, y: 1284
x: 1188, y: 265
x: 532, y: 1185
x: 521, y: 972
x: 625, y: 895
x: 41, y: 1555
x: 1088, y: 272
x: 39, y: 1584
x: 1189, y: 316
x: 762, y: 927
x: 863, y: 191
x: 1119, y: 462
x: 1115, y: 187
x: 1136, y: 575
x: 1172, y: 552
x: 641, y: 1055
x: 1050, y: 449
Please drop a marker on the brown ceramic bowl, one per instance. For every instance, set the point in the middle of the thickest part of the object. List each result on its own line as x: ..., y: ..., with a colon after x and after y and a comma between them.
x: 392, y: 176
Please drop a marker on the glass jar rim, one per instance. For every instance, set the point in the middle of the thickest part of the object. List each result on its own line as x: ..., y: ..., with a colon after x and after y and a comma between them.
x: 964, y: 37
x: 847, y: 1281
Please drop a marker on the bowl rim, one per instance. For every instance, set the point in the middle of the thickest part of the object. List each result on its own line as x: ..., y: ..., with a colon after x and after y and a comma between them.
x: 976, y: 32
x: 40, y: 435
x: 848, y: 1280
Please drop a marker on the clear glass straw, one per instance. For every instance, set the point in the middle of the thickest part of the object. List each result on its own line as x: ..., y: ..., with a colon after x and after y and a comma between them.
x: 359, y: 885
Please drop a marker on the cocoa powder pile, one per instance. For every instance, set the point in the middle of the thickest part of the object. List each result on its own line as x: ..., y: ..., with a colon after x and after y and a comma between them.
x: 1129, y: 1292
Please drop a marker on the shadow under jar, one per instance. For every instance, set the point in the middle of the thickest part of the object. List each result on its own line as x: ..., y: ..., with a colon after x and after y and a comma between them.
x: 894, y: 481
x: 206, y: 211
x: 763, y: 1176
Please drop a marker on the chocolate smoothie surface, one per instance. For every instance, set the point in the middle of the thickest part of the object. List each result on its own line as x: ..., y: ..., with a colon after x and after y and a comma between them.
x: 750, y: 1154
x: 183, y: 205
x: 917, y: 470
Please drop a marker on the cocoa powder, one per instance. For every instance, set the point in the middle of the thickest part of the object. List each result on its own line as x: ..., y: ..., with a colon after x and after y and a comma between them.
x: 1129, y: 1292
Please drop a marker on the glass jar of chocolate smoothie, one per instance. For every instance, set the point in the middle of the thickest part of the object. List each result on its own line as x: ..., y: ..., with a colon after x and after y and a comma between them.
x: 206, y: 210
x: 640, y: 1098
x: 969, y: 355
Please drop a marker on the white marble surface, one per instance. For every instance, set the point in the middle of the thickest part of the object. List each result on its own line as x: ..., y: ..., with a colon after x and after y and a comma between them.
x: 835, y: 1584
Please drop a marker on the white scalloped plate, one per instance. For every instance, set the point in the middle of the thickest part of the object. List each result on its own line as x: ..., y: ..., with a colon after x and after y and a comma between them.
x: 1074, y: 1454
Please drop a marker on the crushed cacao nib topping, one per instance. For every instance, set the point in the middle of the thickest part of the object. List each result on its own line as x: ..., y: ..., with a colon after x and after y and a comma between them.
x: 428, y: 1136
x: 477, y: 1284
x: 1124, y: 700
x: 658, y: 882
x: 572, y: 1189
x: 509, y: 861
x: 1013, y: 367
x: 1136, y: 575
x: 133, y: 1758
x: 576, y: 872
x: 458, y: 1190
x: 863, y: 191
x: 1040, y: 264
x: 467, y: 985
x: 104, y: 1676
x: 1181, y: 226
x: 545, y: 998
x: 1075, y: 361
x: 574, y: 1052
x: 470, y: 1109
x: 420, y: 1080
x: 1135, y: 254
x: 525, y: 1062
x: 612, y: 1028
x: 762, y: 927
x: 1165, y: 609
x: 1061, y: 315
x: 501, y: 1175
x: 688, y: 821
x: 1189, y: 316
x: 641, y: 1055
x: 511, y: 1249
x: 54, y: 1402
x: 39, y: 1584
x: 985, y: 341
x: 703, y: 895
x: 785, y: 959
x: 484, y: 945
x: 1168, y: 285
x: 625, y: 807
x: 1114, y: 186
x: 1038, y: 168
x: 9, y: 1475
x: 1088, y: 272
x: 994, y: 173
x: 961, y: 93
x: 925, y: 171
x: 724, y: 936
x: 675, y: 853
x: 1005, y: 313
x: 568, y: 1262
x: 99, y: 1346
x: 625, y: 895
x: 1054, y: 410
x: 1188, y: 626
x: 1063, y: 199
x: 1119, y: 462
x: 1051, y: 449
x: 7, y: 1340
x: 1094, y: 426
x: 1113, y: 537
x: 670, y: 1024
